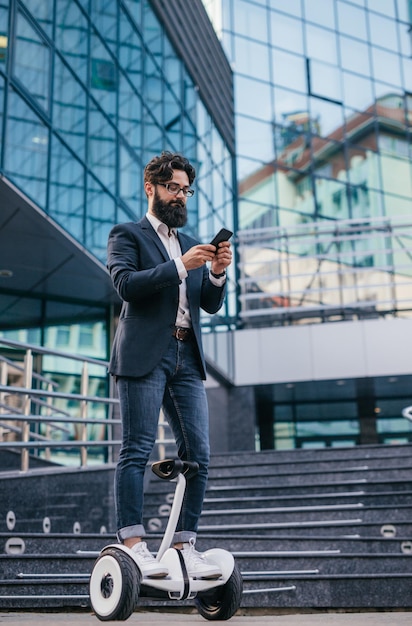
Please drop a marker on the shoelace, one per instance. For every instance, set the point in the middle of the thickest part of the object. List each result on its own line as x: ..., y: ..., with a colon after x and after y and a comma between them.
x: 143, y: 552
x: 193, y: 555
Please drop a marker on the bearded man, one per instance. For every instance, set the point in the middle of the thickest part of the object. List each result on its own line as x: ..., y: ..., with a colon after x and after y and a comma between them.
x: 157, y: 356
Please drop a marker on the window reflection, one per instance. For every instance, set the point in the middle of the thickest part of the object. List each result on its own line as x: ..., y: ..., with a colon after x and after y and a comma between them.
x: 67, y: 190
x: 103, y: 77
x: 26, y: 149
x: 130, y: 114
x: 69, y: 108
x: 104, y: 17
x: 286, y: 32
x: 352, y: 20
x: 32, y: 62
x: 102, y: 148
x: 100, y: 217
x: 72, y: 36
x: 129, y: 179
x: 42, y: 11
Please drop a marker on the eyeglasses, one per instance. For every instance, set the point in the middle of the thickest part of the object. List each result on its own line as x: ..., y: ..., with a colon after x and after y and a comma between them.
x: 175, y: 189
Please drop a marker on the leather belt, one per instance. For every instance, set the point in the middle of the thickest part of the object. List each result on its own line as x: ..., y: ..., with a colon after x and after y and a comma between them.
x: 182, y: 334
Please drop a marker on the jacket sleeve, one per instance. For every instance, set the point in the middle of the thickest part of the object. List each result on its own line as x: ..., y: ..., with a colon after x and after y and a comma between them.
x: 136, y: 272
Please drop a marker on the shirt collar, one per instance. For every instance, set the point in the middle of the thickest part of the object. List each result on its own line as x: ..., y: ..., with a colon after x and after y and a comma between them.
x: 159, y: 226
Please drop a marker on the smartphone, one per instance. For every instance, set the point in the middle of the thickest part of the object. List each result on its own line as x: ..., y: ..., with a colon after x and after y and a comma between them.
x: 223, y: 235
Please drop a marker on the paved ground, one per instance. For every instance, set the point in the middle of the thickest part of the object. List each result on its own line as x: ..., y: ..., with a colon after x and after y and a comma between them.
x: 184, y: 619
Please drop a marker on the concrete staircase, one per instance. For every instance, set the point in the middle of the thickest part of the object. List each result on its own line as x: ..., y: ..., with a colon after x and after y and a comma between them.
x: 310, y: 529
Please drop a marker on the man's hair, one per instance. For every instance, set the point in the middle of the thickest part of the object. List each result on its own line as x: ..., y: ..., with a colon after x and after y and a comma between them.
x: 160, y: 168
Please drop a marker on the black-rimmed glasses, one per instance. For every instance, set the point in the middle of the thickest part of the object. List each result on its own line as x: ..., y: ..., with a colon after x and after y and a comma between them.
x: 175, y: 189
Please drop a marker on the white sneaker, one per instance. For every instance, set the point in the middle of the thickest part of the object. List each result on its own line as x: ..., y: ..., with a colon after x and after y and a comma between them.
x: 197, y: 565
x: 146, y: 562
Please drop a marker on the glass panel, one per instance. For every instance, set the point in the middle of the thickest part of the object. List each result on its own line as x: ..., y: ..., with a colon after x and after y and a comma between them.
x: 69, y: 109
x: 383, y: 32
x: 254, y: 139
x: 130, y: 52
x: 252, y: 58
x: 293, y: 7
x: 26, y: 149
x: 250, y: 20
x: 289, y: 70
x: 104, y: 18
x: 130, y: 115
x: 72, y: 36
x: 103, y: 77
x: 152, y: 31
x: 129, y: 178
x: 354, y: 56
x: 66, y: 204
x: 4, y: 40
x: 32, y: 62
x: 153, y: 90
x: 42, y: 11
x: 135, y: 8
x: 173, y: 117
x: 325, y: 81
x: 286, y: 32
x: 386, y: 67
x: 321, y: 44
x: 352, y: 20
x: 102, y: 149
x: 253, y: 98
x: 321, y: 12
x: 387, y: 7
x: 357, y: 91
x: 100, y: 218
x: 326, y: 117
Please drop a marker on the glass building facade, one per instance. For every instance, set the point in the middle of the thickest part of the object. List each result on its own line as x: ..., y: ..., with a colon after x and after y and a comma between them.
x: 90, y: 91
x: 323, y: 110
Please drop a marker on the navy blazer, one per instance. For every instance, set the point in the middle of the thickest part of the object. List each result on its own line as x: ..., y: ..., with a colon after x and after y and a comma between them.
x: 147, y: 281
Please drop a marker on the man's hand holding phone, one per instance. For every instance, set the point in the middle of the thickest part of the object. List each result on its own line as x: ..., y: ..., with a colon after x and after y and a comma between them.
x: 223, y: 256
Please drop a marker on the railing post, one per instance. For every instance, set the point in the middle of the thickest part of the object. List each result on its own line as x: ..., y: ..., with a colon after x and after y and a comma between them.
x: 25, y: 430
x: 84, y: 387
x: 3, y: 381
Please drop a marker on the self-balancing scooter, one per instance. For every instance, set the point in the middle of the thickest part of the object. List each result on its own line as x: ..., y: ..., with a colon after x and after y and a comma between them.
x: 116, y: 581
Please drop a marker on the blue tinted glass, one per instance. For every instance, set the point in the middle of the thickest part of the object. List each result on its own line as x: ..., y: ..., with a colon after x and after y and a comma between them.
x: 130, y: 51
x: 130, y: 176
x: 26, y: 149
x: 130, y: 114
x: 4, y: 40
x: 66, y: 203
x: 286, y: 32
x: 102, y: 149
x: 72, y: 36
x: 69, y: 109
x: 104, y: 77
x: 104, y: 18
x: 42, y: 11
x: 100, y: 217
x: 352, y: 20
x: 32, y: 62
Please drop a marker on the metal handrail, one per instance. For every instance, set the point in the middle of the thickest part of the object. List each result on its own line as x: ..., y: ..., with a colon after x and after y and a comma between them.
x: 291, y: 274
x: 18, y: 420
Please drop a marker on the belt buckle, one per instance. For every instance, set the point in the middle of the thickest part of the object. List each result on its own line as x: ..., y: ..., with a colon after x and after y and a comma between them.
x: 180, y: 334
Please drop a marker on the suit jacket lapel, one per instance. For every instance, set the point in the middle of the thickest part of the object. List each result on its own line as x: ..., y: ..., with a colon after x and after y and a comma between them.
x: 150, y: 232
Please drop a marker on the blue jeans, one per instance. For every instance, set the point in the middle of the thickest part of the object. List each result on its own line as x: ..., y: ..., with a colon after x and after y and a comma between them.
x: 175, y: 384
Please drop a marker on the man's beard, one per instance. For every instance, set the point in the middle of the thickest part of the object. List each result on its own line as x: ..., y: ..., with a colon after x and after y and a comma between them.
x: 172, y: 213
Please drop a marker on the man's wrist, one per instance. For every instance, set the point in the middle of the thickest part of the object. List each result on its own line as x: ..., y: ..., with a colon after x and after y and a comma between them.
x: 218, y: 275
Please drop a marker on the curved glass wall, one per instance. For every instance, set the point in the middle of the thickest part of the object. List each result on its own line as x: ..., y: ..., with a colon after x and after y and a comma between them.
x: 94, y: 91
x: 323, y: 109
